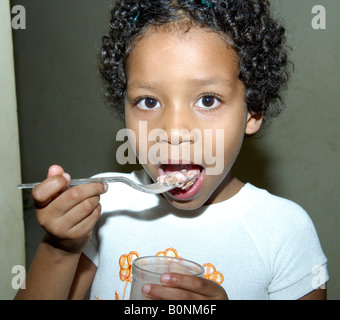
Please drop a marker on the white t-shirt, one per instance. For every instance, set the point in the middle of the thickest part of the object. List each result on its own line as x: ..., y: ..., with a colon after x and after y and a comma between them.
x: 256, y: 245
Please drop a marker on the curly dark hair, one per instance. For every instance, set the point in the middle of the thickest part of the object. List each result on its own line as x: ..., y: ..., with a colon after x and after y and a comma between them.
x: 257, y: 38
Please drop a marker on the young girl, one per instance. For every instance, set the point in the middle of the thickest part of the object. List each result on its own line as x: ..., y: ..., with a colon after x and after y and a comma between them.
x: 187, y: 76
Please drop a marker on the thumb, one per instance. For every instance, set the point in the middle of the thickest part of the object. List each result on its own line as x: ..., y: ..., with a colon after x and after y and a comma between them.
x: 58, y: 170
x: 54, y: 171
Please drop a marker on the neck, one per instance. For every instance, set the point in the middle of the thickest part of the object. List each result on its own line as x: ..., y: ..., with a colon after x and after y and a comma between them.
x: 229, y: 187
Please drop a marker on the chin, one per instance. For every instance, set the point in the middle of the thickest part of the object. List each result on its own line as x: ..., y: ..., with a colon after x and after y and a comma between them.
x: 189, y: 204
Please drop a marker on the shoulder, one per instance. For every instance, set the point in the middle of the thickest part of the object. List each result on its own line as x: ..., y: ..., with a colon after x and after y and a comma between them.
x: 281, y: 229
x: 270, y: 211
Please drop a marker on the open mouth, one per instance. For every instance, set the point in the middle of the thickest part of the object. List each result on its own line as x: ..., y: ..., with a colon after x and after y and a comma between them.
x: 186, y: 178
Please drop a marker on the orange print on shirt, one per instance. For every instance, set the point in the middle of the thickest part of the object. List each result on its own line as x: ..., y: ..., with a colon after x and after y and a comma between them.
x: 170, y: 252
x: 125, y: 272
x: 211, y: 273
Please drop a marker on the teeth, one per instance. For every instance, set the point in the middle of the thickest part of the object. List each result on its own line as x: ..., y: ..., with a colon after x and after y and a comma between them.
x: 180, y: 179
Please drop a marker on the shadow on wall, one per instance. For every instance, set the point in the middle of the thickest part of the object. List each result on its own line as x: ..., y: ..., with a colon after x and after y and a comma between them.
x: 254, y: 163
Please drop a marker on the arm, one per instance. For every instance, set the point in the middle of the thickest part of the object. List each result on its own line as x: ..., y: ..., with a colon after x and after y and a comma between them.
x: 68, y: 217
x: 83, y: 279
x: 69, y: 275
x: 51, y: 274
x: 318, y: 294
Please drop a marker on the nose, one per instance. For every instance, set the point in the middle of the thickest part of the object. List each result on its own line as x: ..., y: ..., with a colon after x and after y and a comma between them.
x: 177, y: 122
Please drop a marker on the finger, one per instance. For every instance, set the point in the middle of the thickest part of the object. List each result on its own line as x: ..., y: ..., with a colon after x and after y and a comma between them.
x: 76, y: 195
x: 85, y: 226
x: 49, y: 189
x: 161, y: 292
x: 183, y: 287
x: 80, y: 211
x: 193, y: 284
x: 58, y: 170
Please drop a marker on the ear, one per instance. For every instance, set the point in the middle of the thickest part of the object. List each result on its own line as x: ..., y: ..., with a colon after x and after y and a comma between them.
x: 254, y: 122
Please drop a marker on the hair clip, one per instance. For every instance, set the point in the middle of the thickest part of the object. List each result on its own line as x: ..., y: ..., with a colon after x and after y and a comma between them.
x: 135, y: 18
x: 207, y: 4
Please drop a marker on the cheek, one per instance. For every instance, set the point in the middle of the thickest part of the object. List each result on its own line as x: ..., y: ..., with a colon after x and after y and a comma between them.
x: 233, y: 143
x: 133, y: 129
x: 140, y: 129
x: 143, y: 142
x: 232, y: 149
x: 228, y: 143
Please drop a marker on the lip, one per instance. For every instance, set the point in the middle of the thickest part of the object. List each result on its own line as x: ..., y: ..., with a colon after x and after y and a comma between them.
x: 177, y: 161
x: 180, y: 194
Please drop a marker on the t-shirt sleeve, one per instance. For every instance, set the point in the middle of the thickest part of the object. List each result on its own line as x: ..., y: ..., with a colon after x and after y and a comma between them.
x: 298, y: 263
x: 288, y: 244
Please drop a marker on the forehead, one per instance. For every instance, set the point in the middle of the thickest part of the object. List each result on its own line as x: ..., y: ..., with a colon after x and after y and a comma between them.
x: 183, y: 45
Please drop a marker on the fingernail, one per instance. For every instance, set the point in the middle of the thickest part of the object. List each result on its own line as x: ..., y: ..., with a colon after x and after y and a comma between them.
x: 106, y: 187
x: 67, y: 177
x: 146, y: 288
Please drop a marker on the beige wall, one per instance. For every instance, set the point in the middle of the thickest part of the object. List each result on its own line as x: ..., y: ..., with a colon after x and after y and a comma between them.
x: 63, y: 120
x: 11, y: 220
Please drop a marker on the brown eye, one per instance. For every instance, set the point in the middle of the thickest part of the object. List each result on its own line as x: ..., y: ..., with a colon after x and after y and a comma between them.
x: 148, y: 103
x: 208, y: 102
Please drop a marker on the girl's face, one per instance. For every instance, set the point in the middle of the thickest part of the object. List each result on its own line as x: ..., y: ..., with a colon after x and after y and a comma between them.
x: 185, y: 105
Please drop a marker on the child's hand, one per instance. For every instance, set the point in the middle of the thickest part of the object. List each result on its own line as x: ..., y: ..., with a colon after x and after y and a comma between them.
x: 183, y: 287
x: 68, y: 215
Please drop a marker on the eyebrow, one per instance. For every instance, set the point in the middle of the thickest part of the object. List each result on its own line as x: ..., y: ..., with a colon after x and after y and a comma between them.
x: 142, y: 85
x: 210, y: 82
x: 193, y: 82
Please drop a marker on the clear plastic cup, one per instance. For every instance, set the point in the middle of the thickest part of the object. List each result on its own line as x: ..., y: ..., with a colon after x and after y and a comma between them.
x: 149, y: 270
